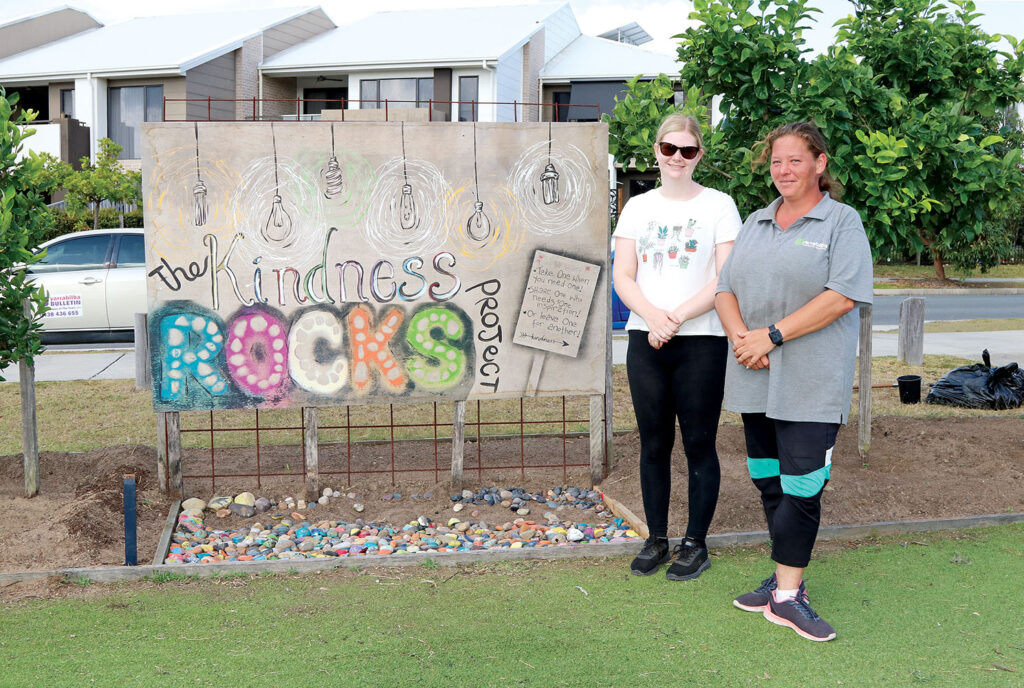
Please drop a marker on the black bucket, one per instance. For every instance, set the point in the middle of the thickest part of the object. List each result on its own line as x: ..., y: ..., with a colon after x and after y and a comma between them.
x: 910, y: 388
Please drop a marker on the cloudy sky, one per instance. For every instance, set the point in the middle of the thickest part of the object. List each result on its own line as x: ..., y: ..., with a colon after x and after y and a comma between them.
x: 660, y: 18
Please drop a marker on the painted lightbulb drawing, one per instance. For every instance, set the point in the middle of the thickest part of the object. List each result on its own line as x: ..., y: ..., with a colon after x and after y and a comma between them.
x: 479, y: 226
x: 549, y: 177
x: 333, y: 180
x: 199, y: 207
x: 278, y: 228
x: 406, y: 204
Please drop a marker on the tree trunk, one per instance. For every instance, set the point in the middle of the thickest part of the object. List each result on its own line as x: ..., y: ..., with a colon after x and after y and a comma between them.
x: 940, y: 269
x: 96, y: 215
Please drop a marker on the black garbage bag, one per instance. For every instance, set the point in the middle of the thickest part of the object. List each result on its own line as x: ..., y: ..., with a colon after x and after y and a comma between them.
x: 980, y: 386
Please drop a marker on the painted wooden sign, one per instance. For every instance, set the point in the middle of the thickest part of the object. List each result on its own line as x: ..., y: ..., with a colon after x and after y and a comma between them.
x: 336, y: 263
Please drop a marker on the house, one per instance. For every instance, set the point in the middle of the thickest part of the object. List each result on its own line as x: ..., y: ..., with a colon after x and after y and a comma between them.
x: 197, y: 66
x: 499, y: 64
x: 503, y: 64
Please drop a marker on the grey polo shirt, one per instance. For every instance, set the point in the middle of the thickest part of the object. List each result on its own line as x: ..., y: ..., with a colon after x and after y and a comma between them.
x: 773, y: 272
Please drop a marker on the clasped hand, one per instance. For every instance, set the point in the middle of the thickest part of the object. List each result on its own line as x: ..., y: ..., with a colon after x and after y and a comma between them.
x: 662, y: 326
x: 751, y: 348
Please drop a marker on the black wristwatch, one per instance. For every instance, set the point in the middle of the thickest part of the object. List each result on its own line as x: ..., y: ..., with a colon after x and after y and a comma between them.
x: 775, y: 335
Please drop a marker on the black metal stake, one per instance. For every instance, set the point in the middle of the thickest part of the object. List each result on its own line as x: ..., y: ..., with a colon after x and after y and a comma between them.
x: 131, y: 555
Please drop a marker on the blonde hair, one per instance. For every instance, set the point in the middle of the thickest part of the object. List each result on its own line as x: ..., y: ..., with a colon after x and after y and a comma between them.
x: 812, y: 137
x: 680, y: 122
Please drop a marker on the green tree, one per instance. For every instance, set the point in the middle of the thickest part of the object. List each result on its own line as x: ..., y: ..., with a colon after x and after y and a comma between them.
x: 633, y: 123
x: 23, y: 223
x: 909, y: 99
x: 106, y: 180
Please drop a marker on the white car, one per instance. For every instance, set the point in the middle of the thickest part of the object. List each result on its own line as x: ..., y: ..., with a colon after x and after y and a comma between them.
x: 95, y: 282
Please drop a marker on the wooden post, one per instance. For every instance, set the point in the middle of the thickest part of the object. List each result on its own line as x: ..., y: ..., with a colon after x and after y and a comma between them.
x: 311, y: 451
x: 597, y: 439
x: 161, y: 450
x: 172, y: 422
x: 609, y: 441
x: 29, y: 428
x: 458, y: 442
x: 143, y: 372
x: 910, y: 346
x: 864, y: 393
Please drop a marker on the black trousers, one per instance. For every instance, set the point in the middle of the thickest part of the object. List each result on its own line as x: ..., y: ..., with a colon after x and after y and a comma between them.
x: 683, y: 380
x: 790, y: 463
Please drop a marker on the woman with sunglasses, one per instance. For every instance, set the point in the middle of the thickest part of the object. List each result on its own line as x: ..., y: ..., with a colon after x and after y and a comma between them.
x: 670, y: 244
x: 787, y: 298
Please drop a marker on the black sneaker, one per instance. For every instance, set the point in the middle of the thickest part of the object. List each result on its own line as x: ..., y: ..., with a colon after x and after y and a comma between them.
x: 691, y: 561
x: 757, y: 601
x: 798, y: 615
x: 653, y: 555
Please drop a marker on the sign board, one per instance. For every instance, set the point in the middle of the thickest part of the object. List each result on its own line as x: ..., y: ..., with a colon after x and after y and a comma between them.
x: 336, y: 263
x: 556, y: 304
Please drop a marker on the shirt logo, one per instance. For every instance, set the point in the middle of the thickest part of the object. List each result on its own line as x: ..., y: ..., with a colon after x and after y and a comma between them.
x: 813, y: 244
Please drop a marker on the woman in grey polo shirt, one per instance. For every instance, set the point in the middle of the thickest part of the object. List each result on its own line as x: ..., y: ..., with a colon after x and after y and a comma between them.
x: 787, y: 297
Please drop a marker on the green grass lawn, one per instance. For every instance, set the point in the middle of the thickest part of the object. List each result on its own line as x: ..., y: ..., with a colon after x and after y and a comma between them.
x: 936, y: 609
x: 928, y: 272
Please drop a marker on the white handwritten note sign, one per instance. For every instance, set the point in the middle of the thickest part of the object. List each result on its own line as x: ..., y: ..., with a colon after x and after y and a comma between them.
x: 556, y: 303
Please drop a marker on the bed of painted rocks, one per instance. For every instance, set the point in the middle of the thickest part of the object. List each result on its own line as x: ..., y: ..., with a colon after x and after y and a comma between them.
x: 291, y: 535
x: 518, y: 499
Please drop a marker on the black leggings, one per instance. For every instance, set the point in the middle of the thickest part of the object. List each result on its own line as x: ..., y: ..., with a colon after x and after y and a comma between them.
x: 790, y: 462
x: 683, y: 379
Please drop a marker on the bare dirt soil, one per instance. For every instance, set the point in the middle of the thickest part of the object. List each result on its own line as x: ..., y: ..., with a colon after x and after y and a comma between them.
x: 919, y: 469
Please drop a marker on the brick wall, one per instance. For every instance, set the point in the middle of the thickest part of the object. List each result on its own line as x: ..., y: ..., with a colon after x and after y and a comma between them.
x: 533, y: 61
x: 283, y: 87
x: 247, y: 59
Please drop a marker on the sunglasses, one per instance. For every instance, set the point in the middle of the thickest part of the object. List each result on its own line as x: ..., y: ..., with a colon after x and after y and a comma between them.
x: 669, y: 149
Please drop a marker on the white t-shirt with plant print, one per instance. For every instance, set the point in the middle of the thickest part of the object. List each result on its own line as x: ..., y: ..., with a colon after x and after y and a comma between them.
x: 675, y: 250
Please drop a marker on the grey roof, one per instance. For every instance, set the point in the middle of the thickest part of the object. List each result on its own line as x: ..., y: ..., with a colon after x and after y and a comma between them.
x: 631, y: 33
x: 590, y: 57
x: 449, y: 36
x: 9, y: 19
x: 169, y: 44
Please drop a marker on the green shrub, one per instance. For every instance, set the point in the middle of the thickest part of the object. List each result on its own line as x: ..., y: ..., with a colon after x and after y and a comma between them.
x: 62, y: 222
x: 110, y: 218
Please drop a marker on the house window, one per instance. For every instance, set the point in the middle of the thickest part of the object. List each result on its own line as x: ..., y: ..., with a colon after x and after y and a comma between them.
x: 560, y: 106
x: 127, y: 108
x: 469, y: 93
x: 67, y: 102
x: 320, y: 99
x: 418, y: 91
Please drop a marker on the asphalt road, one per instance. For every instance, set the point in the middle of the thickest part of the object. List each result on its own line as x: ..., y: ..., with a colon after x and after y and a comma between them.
x: 952, y: 307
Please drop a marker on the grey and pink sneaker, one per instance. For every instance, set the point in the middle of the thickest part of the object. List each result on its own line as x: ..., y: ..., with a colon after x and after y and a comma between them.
x: 798, y: 615
x: 757, y: 600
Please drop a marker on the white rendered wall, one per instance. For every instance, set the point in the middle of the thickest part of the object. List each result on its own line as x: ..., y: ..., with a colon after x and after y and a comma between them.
x: 45, y: 140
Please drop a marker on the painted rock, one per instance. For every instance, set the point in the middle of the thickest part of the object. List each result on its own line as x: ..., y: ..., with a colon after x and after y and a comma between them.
x: 458, y: 507
x: 243, y: 510
x: 262, y: 504
x: 327, y: 492
x: 574, y: 535
x: 218, y: 503
x: 523, y: 511
x: 324, y: 500
x: 246, y: 498
x: 193, y: 513
x: 193, y: 503
x: 358, y: 508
